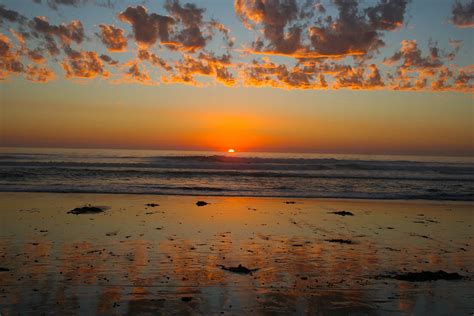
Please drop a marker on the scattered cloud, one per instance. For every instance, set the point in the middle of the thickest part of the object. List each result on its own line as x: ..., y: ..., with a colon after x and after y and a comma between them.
x: 306, y: 31
x: 147, y: 28
x: 86, y: 64
x: 463, y: 14
x: 112, y: 37
x: 324, y: 44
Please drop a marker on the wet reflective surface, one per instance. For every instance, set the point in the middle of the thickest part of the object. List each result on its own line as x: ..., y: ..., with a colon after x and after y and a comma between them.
x: 139, y: 260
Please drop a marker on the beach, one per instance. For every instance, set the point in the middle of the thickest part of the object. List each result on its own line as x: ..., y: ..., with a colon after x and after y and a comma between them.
x: 163, y: 254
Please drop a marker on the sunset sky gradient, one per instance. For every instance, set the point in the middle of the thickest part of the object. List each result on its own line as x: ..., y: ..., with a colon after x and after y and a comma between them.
x: 385, y: 77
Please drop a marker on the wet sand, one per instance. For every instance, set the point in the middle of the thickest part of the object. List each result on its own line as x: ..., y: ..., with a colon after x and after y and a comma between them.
x: 135, y: 259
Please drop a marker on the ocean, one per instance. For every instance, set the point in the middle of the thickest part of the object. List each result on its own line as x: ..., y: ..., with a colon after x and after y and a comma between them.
x: 238, y: 174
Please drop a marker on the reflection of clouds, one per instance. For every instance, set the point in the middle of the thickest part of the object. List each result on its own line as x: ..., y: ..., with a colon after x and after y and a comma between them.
x: 298, y: 271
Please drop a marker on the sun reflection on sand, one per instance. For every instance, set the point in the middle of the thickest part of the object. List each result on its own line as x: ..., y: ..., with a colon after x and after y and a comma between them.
x: 76, y: 266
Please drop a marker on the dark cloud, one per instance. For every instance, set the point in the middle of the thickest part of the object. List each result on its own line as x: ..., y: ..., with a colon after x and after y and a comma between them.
x: 190, y: 37
x: 183, y: 29
x: 112, y: 37
x: 279, y: 19
x: 288, y: 26
x: 10, y: 15
x: 463, y: 14
x: 109, y: 60
x: 55, y: 4
x: 147, y: 28
x: 67, y: 33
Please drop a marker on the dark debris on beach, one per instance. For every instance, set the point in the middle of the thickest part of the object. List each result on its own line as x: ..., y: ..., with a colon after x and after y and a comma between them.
x: 152, y: 204
x: 239, y: 269
x: 424, y: 276
x: 340, y: 241
x: 343, y: 213
x: 201, y: 203
x: 88, y: 209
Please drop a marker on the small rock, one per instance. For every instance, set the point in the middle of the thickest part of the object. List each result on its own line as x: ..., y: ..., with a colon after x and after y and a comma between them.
x: 201, y: 203
x: 343, y: 213
x: 239, y: 269
x: 86, y: 210
x: 341, y: 241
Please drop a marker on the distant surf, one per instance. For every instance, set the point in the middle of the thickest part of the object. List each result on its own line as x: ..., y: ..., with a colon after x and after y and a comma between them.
x: 251, y: 174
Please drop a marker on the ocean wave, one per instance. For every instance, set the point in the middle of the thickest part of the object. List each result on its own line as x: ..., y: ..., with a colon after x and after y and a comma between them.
x: 313, y: 177
x: 462, y: 197
x: 32, y: 173
x: 259, y: 164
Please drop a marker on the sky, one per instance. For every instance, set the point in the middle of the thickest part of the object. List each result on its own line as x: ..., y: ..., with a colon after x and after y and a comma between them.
x: 330, y: 76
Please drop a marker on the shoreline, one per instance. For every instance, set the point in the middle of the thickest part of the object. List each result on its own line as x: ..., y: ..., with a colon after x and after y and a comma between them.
x: 245, y: 196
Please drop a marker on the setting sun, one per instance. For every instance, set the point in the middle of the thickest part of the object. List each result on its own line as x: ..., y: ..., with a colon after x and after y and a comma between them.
x: 231, y: 151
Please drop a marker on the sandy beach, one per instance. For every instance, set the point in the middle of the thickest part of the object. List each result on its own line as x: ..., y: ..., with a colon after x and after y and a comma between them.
x: 304, y: 256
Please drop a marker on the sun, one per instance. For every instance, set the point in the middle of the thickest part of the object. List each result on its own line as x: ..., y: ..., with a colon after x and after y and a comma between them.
x: 230, y: 151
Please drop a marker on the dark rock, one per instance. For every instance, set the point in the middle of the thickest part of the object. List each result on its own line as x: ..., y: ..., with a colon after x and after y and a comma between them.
x: 152, y: 204
x: 424, y: 276
x: 340, y: 241
x: 4, y: 269
x: 186, y: 298
x: 290, y: 202
x: 240, y: 269
x: 86, y: 210
x: 201, y: 203
x: 343, y: 213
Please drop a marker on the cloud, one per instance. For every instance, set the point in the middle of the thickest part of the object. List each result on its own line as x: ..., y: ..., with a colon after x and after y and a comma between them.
x: 266, y: 73
x: 144, y: 54
x: 184, y: 46
x: 190, y: 37
x: 55, y: 4
x: 9, y: 58
x: 109, y: 60
x: 274, y: 16
x: 112, y: 37
x: 39, y: 74
x: 290, y: 30
x: 134, y: 73
x: 147, y: 28
x: 36, y: 55
x: 183, y: 29
x: 312, y: 75
x: 67, y: 33
x: 85, y: 64
x: 10, y: 15
x: 411, y: 57
x: 11, y: 64
x: 463, y: 15
x: 205, y: 64
x: 415, y: 70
